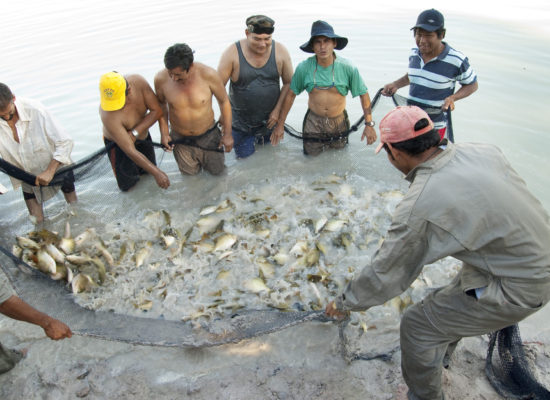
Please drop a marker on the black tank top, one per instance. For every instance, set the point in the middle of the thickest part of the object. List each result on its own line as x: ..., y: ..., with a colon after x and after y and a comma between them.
x: 254, y: 95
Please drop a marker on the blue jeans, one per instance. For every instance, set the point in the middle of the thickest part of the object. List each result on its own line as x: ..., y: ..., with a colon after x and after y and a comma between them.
x: 244, y: 142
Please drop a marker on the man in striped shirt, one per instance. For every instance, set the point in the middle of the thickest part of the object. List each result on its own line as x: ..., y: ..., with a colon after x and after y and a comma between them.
x: 434, y: 69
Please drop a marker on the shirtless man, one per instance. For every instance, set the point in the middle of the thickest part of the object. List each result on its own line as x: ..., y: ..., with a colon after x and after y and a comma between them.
x: 184, y: 89
x: 327, y: 79
x: 256, y: 65
x: 128, y: 109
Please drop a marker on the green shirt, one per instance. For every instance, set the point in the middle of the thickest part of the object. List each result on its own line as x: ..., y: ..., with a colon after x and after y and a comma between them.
x: 346, y: 77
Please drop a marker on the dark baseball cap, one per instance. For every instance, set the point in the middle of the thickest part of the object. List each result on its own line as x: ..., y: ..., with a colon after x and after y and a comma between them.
x: 430, y: 20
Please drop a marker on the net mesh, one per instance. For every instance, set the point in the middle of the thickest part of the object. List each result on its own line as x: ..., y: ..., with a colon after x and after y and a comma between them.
x: 508, y: 369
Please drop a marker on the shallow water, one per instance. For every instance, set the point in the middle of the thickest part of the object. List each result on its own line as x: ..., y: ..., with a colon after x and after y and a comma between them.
x: 56, y: 51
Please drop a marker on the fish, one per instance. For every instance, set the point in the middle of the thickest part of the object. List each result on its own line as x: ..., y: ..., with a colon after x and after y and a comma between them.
x: 78, y: 259
x: 208, y: 210
x: 101, y: 271
x: 207, y: 224
x: 320, y: 223
x: 17, y: 250
x: 56, y: 254
x: 67, y: 245
x: 312, y: 257
x: 60, y: 273
x: 204, y: 247
x: 85, y: 237
x: 82, y: 282
x: 225, y: 242
x: 281, y: 258
x: 104, y: 252
x: 145, y: 305
x: 46, y: 263
x: 223, y: 274
x: 143, y: 253
x: 322, y: 247
x: 27, y: 243
x: 334, y: 225
x: 224, y: 206
x: 266, y: 268
x: 299, y: 248
x: 256, y: 285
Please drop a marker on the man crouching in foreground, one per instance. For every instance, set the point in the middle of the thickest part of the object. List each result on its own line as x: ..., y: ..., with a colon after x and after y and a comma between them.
x: 464, y: 201
x: 184, y: 89
x: 128, y: 109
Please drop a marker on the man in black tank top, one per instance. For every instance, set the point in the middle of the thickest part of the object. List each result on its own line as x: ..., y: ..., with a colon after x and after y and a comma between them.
x: 256, y: 65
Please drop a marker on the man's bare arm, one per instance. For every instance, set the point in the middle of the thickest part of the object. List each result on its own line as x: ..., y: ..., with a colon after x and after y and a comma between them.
x: 464, y: 91
x: 227, y: 64
x: 218, y: 90
x: 152, y: 104
x: 125, y: 141
x: 391, y: 88
x: 286, y: 76
x: 279, y: 130
x: 17, y: 309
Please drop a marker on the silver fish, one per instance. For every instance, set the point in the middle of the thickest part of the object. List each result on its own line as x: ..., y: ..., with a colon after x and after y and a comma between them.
x: 225, y: 242
x: 46, y: 263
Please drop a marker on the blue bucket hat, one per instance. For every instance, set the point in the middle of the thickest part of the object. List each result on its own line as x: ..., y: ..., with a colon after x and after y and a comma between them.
x: 322, y: 28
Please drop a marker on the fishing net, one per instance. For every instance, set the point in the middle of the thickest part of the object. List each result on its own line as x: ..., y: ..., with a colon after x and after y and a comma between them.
x: 433, y: 112
x: 508, y: 369
x: 94, y: 173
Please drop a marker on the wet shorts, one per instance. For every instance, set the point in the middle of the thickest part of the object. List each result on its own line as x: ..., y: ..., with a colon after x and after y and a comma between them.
x: 324, y: 128
x: 202, y: 151
x: 126, y: 171
x: 244, y: 142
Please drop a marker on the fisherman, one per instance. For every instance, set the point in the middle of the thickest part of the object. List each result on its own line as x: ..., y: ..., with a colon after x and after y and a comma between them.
x: 128, y: 108
x: 32, y: 140
x: 327, y: 79
x: 464, y: 201
x: 13, y: 307
x: 434, y: 69
x: 185, y: 89
x: 255, y: 64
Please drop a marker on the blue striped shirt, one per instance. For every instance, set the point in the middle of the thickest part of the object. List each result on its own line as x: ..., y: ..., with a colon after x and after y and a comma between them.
x: 433, y: 82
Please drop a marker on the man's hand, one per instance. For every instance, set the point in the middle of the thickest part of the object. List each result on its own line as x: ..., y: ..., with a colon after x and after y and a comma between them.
x: 449, y: 102
x: 273, y: 119
x: 333, y: 312
x: 162, y: 179
x: 277, y: 134
x: 56, y: 329
x: 370, y: 134
x: 227, y: 142
x: 44, y: 178
x: 165, y: 141
x: 389, y: 89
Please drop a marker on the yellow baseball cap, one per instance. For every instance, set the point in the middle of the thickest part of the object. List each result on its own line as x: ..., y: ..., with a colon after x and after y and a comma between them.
x: 112, y: 89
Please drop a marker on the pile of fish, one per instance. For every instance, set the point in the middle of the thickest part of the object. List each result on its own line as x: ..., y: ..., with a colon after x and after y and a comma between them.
x: 64, y: 258
x: 275, y: 245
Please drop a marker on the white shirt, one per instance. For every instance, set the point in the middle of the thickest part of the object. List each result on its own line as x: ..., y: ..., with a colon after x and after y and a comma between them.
x: 41, y: 138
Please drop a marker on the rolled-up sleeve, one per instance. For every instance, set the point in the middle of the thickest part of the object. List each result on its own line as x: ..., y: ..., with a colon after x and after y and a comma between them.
x: 62, y: 142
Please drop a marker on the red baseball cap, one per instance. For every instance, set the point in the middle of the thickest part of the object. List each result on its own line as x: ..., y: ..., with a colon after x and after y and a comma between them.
x: 398, y: 125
